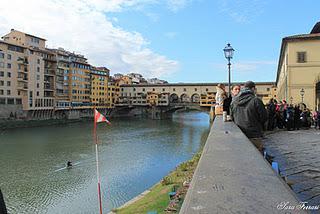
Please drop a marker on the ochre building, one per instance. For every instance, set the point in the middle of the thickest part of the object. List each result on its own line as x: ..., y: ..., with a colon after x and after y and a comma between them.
x: 298, y: 76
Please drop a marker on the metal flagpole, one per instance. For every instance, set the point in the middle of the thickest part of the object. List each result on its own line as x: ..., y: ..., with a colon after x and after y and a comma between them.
x: 97, y: 160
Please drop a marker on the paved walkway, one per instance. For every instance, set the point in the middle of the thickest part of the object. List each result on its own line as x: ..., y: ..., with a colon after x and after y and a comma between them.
x: 298, y: 155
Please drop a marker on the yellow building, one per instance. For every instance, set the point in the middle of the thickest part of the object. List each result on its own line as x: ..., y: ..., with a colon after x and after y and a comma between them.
x: 208, y: 99
x: 152, y: 98
x: 112, y: 95
x: 99, y: 86
x: 298, y: 75
x: 79, y: 81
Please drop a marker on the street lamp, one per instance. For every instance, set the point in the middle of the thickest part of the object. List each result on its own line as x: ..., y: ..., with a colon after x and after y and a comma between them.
x: 228, y: 53
x: 291, y: 99
x: 302, y: 94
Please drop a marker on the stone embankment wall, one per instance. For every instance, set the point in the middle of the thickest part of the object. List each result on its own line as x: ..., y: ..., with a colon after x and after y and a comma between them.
x: 233, y: 177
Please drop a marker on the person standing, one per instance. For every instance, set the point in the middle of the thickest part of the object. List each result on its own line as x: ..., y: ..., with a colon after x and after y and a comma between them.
x: 249, y: 114
x: 221, y: 95
x: 271, y: 114
x: 235, y: 90
x: 318, y: 117
x: 296, y: 116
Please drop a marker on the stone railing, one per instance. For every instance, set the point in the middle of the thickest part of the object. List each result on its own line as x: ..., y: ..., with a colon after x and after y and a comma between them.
x: 233, y: 177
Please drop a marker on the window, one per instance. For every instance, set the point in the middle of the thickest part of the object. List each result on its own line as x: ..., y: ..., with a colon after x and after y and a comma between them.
x: 15, y: 48
x: 143, y: 89
x: 38, y: 94
x: 8, y: 74
x: 8, y: 83
x: 268, y: 89
x: 184, y: 89
x: 301, y: 57
x: 153, y: 89
x: 1, y: 55
x: 8, y: 92
x: 1, y: 65
x: 38, y: 86
x: 207, y: 89
x: 10, y: 101
x: 18, y: 101
x: 195, y: 89
x: 8, y: 65
x: 38, y: 69
x: 38, y: 61
x: 1, y: 74
x: 173, y: 89
x: 163, y: 89
x: 9, y: 56
x: 2, y: 100
x: 134, y: 89
x: 38, y: 77
x: 1, y: 83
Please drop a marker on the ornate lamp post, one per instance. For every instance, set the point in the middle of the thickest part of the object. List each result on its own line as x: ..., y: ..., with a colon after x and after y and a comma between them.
x: 302, y: 94
x: 228, y: 53
x: 291, y: 99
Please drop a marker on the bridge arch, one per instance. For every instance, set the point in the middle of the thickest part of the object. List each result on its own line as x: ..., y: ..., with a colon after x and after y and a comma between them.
x: 195, y: 98
x: 185, y: 98
x: 174, y: 98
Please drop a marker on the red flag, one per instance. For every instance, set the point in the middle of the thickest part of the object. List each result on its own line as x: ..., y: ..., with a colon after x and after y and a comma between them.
x: 98, y: 117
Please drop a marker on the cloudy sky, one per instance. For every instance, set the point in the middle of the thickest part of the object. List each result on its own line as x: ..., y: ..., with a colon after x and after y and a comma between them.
x: 177, y: 40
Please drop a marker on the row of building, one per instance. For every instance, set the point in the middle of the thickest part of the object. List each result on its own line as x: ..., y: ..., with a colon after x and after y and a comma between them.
x: 34, y: 77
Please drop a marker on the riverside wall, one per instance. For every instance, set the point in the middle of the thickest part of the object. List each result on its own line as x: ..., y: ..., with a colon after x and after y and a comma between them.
x: 233, y: 177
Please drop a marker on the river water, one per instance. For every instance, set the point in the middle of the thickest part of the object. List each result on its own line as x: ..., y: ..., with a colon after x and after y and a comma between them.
x: 134, y: 155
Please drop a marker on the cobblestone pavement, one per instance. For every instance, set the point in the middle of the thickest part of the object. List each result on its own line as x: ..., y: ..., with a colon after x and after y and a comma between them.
x: 298, y: 155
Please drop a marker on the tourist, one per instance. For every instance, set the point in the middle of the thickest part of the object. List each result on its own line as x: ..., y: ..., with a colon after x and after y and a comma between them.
x: 283, y: 112
x: 221, y: 94
x: 279, y: 120
x: 318, y: 117
x: 249, y: 113
x: 271, y: 114
x: 315, y: 118
x: 296, y: 120
x: 290, y: 118
x: 235, y: 90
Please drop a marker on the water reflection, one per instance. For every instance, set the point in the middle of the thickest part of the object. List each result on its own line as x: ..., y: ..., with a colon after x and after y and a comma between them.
x: 134, y: 155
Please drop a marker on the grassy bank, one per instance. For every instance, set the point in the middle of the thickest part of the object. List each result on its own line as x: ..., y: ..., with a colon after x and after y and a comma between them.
x: 158, y: 200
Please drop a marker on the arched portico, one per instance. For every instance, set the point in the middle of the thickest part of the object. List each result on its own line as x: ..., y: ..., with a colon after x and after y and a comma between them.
x: 185, y: 98
x: 195, y: 98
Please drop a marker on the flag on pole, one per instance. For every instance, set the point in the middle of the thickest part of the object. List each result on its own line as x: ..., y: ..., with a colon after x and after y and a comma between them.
x: 98, y: 117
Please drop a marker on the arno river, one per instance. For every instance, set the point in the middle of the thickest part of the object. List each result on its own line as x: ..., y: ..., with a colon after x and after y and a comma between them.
x: 134, y: 155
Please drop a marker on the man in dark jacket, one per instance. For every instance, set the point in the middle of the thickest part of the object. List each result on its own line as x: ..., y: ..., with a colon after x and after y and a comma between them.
x: 249, y: 113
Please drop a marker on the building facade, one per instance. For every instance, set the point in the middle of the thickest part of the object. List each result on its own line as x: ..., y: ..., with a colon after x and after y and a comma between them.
x: 201, y: 93
x: 26, y: 73
x: 99, y: 86
x: 299, y: 69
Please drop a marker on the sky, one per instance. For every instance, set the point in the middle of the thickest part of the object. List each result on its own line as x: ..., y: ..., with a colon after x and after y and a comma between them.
x: 175, y: 40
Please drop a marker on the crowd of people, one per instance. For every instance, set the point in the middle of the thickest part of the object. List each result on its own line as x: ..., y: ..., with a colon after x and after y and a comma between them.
x: 253, y: 117
x: 292, y: 117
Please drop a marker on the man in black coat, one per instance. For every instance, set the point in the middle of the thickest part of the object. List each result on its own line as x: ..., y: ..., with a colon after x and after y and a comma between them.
x: 249, y: 113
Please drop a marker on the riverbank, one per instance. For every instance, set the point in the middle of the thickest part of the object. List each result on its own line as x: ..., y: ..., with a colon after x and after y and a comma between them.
x: 166, y: 196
